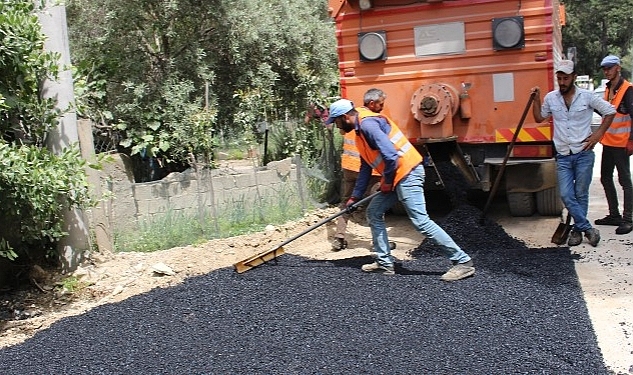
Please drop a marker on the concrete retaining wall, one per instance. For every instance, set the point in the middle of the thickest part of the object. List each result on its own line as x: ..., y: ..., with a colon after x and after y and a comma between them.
x: 210, y: 192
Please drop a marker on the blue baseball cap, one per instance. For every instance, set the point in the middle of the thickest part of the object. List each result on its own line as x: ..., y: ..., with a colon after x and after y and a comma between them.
x: 610, y: 61
x: 339, y: 108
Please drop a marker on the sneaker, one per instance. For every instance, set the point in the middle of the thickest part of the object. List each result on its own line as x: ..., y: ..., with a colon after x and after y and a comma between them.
x: 593, y: 236
x: 609, y: 220
x: 459, y: 271
x: 339, y: 244
x: 624, y: 228
x: 377, y: 268
x: 575, y: 238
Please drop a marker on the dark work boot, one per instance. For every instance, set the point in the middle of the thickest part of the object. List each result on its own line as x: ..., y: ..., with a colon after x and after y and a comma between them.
x: 624, y: 228
x: 610, y: 220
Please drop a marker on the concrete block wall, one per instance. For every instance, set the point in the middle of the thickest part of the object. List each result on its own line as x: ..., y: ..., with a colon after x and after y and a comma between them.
x: 214, y: 192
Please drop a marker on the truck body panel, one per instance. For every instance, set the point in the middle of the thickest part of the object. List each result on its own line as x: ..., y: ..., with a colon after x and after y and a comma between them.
x: 459, y: 72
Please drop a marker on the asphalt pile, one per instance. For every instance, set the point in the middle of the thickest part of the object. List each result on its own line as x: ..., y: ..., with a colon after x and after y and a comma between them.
x: 522, y: 313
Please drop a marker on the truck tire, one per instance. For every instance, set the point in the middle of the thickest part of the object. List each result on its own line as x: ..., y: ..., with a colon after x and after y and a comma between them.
x: 521, y: 204
x: 548, y: 202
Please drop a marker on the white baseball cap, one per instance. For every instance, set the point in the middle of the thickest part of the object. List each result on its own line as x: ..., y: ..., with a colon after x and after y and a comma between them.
x: 565, y: 66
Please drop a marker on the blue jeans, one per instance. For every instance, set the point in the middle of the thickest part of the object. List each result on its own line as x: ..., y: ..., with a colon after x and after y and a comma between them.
x: 410, y: 192
x: 574, y: 176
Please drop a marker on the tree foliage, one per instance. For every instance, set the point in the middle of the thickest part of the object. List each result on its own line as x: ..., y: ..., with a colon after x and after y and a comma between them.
x: 36, y: 186
x: 598, y: 28
x: 25, y: 116
x: 176, y: 74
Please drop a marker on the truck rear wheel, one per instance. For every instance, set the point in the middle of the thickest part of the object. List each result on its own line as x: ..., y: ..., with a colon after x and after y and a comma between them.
x: 521, y: 204
x: 548, y: 202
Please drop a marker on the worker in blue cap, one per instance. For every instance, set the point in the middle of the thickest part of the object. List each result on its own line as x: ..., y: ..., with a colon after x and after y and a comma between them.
x: 617, y: 147
x: 384, y: 148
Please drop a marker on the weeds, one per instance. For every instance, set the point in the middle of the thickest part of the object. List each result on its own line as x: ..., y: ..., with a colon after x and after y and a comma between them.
x: 242, y: 216
x: 71, y: 285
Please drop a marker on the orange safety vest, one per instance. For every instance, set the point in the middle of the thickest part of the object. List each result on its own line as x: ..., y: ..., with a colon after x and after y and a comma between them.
x: 350, y: 158
x: 618, y: 133
x: 409, y: 156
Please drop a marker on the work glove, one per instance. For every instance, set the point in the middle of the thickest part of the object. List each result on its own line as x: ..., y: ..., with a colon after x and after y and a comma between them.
x: 349, y: 205
x: 386, y: 188
x: 629, y: 147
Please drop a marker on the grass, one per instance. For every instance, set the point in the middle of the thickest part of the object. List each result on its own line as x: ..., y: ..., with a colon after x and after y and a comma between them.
x: 71, y: 285
x: 243, y: 216
x: 236, y: 151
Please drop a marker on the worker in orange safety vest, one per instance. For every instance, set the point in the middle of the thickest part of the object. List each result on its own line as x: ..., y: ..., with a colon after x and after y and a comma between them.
x: 617, y: 147
x: 384, y: 148
x: 374, y: 100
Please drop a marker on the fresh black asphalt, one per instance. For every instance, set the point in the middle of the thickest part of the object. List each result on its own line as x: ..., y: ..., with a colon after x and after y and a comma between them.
x: 522, y: 313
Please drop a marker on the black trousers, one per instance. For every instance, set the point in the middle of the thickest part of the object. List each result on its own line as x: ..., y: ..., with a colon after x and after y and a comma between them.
x: 616, y: 158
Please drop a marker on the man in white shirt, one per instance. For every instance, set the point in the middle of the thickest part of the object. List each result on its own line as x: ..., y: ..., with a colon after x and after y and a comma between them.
x: 572, y: 108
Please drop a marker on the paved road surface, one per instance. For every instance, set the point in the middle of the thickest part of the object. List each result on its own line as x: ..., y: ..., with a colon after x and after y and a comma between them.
x: 605, y: 273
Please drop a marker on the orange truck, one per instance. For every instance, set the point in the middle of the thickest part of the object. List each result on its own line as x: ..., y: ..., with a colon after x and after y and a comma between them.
x: 458, y: 74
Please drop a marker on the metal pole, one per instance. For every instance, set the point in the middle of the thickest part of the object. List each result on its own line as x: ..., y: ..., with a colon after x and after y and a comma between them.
x: 266, y: 146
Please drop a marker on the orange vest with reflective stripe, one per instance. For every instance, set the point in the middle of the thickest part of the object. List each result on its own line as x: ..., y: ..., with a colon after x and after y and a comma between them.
x: 409, y: 156
x: 618, y: 133
x: 350, y: 158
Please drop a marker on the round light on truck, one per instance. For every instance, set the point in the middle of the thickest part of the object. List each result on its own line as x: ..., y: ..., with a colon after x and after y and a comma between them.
x: 372, y: 46
x: 364, y: 4
x: 508, y: 33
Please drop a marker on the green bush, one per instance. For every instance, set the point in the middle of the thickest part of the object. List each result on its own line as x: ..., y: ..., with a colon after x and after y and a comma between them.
x: 25, y: 116
x: 36, y: 186
x: 319, y: 149
x: 176, y: 129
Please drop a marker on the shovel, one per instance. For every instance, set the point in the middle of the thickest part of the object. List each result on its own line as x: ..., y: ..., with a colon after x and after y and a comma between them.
x: 562, y: 232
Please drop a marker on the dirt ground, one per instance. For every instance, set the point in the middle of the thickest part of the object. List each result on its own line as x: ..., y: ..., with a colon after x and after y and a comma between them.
x: 604, y: 271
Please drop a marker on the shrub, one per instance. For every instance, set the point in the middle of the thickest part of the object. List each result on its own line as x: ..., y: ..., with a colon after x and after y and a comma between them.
x: 36, y: 186
x: 25, y: 116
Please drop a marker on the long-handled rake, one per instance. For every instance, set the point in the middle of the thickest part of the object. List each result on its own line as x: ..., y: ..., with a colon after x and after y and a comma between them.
x: 271, y: 254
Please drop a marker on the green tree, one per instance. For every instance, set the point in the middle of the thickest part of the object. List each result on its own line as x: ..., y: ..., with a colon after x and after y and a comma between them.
x: 143, y: 67
x: 35, y: 185
x: 164, y: 66
x: 598, y: 28
x: 24, y: 116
